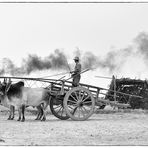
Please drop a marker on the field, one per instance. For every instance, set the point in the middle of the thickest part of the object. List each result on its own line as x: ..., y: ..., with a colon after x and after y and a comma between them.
x: 106, y: 127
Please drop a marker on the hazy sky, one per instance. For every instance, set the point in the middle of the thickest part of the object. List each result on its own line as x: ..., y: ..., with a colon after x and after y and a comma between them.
x: 42, y: 28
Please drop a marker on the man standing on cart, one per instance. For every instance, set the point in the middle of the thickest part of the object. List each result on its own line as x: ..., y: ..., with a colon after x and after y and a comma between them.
x: 76, y: 73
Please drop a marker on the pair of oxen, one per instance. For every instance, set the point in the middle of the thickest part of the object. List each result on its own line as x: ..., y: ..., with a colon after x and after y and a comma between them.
x: 17, y: 96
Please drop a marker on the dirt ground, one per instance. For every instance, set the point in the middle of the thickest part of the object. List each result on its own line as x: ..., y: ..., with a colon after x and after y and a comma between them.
x: 104, y: 128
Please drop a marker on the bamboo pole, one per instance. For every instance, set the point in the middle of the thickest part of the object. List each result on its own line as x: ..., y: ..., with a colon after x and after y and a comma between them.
x: 85, y: 70
x: 49, y: 80
x: 121, y: 93
x: 113, y: 103
x: 114, y: 81
x: 55, y: 75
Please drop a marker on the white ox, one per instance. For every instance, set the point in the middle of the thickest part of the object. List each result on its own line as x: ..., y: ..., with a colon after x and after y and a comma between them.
x: 20, y: 97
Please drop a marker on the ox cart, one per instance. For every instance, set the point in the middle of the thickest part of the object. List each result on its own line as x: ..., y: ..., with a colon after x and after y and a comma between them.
x: 77, y: 103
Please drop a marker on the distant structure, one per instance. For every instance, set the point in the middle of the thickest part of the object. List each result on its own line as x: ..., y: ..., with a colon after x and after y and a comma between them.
x: 135, y: 87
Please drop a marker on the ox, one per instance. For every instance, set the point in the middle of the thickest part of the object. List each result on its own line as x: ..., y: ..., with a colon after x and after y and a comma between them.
x: 12, y: 109
x: 20, y: 97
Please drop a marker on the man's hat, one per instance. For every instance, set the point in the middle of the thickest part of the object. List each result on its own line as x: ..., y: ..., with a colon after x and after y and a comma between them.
x: 76, y: 58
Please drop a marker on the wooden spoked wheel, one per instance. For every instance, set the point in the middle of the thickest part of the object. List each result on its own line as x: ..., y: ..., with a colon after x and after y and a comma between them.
x: 79, y: 103
x: 57, y: 108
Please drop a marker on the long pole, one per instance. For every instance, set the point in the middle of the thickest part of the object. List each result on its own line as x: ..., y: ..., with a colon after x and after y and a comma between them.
x: 114, y: 81
x: 79, y: 73
x: 59, y: 73
x: 60, y: 78
x: 55, y: 75
x: 68, y: 65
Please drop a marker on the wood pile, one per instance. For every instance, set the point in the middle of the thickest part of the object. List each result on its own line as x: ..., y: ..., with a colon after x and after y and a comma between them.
x: 130, y: 86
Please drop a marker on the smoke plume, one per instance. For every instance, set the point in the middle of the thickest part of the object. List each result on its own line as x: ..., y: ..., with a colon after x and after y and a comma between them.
x: 114, y: 61
x: 117, y: 60
x: 141, y: 42
x: 57, y: 60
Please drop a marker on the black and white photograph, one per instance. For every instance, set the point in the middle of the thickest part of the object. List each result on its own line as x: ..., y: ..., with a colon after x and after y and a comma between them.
x: 73, y: 73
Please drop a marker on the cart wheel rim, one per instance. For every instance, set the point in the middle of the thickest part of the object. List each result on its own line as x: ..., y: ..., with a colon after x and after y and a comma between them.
x: 58, y: 110
x: 79, y: 103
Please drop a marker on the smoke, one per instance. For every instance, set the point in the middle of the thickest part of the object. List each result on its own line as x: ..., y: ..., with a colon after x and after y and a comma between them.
x: 58, y: 60
x: 9, y: 67
x: 112, y: 61
x: 89, y: 60
x: 141, y: 42
x: 115, y: 61
x: 33, y: 62
x: 54, y: 61
x: 134, y: 58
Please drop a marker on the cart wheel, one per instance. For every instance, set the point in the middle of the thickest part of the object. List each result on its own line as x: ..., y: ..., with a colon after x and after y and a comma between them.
x: 57, y: 109
x: 79, y: 103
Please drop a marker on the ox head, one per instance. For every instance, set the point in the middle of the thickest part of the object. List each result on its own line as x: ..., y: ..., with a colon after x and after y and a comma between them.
x: 3, y: 87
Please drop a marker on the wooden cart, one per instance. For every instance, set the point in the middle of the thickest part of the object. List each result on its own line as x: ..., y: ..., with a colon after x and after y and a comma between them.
x: 77, y: 103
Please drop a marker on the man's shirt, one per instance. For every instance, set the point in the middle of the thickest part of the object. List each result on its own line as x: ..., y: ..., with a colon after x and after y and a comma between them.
x: 77, y: 68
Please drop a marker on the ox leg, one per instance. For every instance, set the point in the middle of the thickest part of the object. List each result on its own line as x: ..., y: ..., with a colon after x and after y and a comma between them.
x: 43, y: 118
x: 40, y: 112
x: 9, y: 118
x: 12, y: 115
x: 44, y: 106
x: 23, y: 113
x: 37, y: 118
x: 20, y: 113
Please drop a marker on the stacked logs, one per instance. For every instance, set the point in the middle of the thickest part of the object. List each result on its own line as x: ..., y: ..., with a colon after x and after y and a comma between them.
x: 132, y: 87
